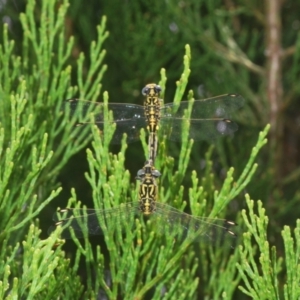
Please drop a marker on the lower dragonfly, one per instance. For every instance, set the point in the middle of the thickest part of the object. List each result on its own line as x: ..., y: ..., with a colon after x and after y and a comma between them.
x: 166, y: 219
x: 207, y: 119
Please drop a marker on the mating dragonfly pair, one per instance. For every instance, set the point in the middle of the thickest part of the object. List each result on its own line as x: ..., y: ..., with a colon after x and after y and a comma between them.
x: 207, y: 119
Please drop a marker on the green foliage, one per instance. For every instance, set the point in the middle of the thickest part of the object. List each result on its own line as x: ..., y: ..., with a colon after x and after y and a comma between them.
x: 261, y: 276
x: 37, y: 140
x: 35, y: 136
x: 145, y: 260
x: 33, y: 270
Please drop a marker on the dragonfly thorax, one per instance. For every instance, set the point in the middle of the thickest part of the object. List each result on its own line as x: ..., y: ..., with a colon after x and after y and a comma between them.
x: 148, y: 188
x: 147, y: 206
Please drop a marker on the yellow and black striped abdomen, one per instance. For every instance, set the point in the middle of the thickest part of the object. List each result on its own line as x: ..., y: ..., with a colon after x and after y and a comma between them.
x: 152, y: 106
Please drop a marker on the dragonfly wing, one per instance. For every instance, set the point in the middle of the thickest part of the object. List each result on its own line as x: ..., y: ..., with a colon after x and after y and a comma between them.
x: 209, y: 129
x: 217, y: 107
x: 121, y: 111
x: 129, y: 118
x: 208, y: 120
x: 132, y: 129
x: 87, y: 222
x: 181, y: 225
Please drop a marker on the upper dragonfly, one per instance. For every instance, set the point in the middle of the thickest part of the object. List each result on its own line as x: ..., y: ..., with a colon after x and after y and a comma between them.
x: 208, y: 119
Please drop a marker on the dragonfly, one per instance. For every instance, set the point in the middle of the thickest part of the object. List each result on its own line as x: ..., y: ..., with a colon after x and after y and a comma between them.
x: 165, y: 218
x: 208, y: 119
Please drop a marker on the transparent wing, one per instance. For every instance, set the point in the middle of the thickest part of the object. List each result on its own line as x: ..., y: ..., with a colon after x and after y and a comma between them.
x: 129, y: 118
x: 209, y: 118
x: 166, y: 220
x: 130, y: 127
x: 169, y: 220
x: 210, y: 129
x: 217, y: 107
x: 94, y: 222
x: 121, y: 111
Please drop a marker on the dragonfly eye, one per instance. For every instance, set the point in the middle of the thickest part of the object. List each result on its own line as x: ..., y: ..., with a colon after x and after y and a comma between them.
x: 157, y: 89
x: 145, y: 91
x: 140, y: 174
x: 156, y: 173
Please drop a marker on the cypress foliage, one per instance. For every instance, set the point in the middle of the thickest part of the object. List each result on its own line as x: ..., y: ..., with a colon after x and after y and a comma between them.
x: 138, y: 261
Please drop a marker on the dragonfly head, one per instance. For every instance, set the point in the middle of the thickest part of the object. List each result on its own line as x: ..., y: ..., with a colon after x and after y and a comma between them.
x: 151, y: 89
x: 148, y: 170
